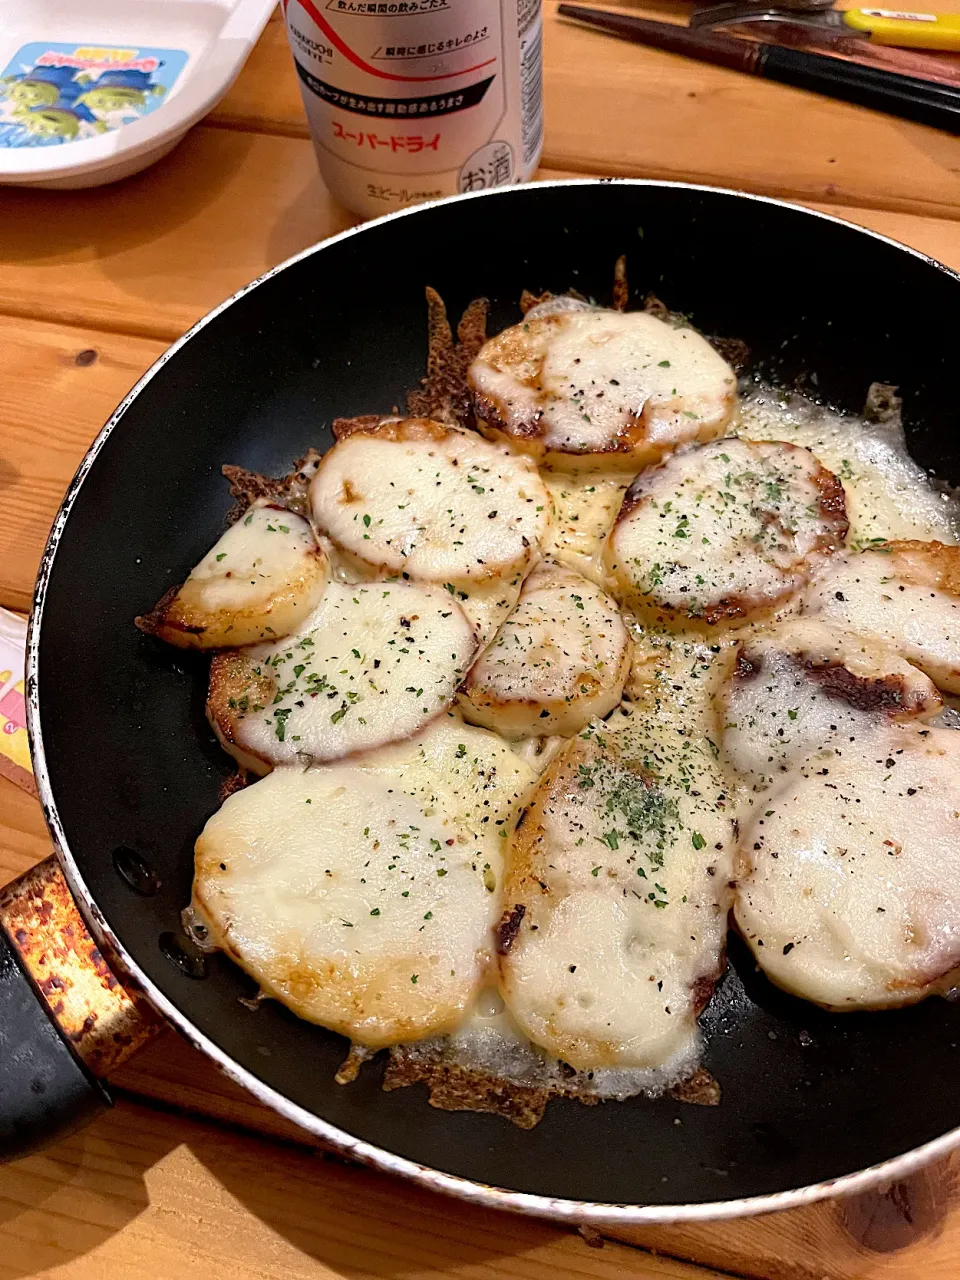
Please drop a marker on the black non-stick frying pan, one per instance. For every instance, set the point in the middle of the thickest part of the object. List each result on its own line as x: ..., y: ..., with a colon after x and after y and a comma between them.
x: 128, y: 770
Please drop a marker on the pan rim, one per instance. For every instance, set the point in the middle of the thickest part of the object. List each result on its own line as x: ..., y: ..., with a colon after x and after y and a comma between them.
x: 558, y: 1209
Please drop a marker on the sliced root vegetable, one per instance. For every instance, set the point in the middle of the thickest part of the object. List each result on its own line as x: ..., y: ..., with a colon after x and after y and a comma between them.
x: 806, y: 687
x: 432, y: 502
x: 616, y: 897
x: 848, y: 884
x: 371, y: 665
x: 906, y: 594
x: 363, y: 895
x: 560, y: 660
x: 468, y: 776
x: 260, y: 580
x: 573, y: 381
x: 725, y: 532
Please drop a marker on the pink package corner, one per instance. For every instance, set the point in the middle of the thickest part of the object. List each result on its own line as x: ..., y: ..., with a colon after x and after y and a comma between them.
x: 14, y: 746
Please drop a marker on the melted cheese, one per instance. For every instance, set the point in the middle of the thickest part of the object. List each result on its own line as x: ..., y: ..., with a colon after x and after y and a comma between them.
x: 372, y: 664
x: 363, y: 895
x: 488, y: 604
x: 559, y: 660
x: 619, y: 872
x: 585, y: 505
x: 490, y: 1043
x: 888, y: 495
x: 455, y: 782
x: 724, y: 532
x: 575, y: 381
x: 433, y: 502
x: 258, y: 581
x: 906, y: 594
x: 468, y: 777
x: 849, y: 884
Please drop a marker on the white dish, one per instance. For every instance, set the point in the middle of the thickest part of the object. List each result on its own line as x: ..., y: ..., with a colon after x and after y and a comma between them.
x: 75, y: 112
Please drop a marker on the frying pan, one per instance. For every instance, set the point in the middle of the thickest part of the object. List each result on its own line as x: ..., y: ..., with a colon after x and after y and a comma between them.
x: 128, y: 771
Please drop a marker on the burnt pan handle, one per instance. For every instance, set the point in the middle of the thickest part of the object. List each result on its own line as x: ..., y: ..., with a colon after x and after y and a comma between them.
x: 65, y: 1018
x: 45, y: 1090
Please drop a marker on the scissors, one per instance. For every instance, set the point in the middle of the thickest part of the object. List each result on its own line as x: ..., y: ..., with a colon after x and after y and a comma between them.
x: 904, y: 29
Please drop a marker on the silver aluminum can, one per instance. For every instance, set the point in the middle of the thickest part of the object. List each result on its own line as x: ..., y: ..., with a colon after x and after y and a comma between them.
x: 410, y: 100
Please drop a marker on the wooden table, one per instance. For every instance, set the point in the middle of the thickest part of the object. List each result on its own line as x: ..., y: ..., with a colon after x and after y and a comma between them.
x: 188, y: 1176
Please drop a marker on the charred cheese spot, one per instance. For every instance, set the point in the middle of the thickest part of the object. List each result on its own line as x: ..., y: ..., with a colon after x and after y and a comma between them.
x: 804, y: 687
x: 724, y: 533
x: 574, y: 381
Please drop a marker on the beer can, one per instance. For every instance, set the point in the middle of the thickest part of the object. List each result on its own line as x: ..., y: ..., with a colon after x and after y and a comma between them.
x: 411, y: 100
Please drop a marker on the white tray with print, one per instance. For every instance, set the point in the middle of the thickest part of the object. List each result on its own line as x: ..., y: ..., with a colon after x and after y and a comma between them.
x: 93, y: 92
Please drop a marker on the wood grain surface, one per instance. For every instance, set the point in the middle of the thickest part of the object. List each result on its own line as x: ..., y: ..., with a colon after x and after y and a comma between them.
x: 141, y: 1194
x: 61, y: 381
x: 150, y: 265
x: 59, y: 385
x: 616, y: 108
x: 189, y: 1176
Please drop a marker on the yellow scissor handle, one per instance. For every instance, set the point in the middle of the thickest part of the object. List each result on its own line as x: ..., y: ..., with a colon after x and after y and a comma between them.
x: 906, y: 29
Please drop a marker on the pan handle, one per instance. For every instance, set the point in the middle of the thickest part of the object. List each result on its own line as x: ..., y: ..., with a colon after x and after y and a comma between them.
x: 65, y: 1018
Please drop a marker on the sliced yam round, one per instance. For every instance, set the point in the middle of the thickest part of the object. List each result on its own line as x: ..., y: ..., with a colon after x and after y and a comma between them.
x: 468, y: 777
x: 725, y: 532
x: 433, y: 502
x: 574, y: 382
x: 848, y: 885
x: 616, y: 901
x: 560, y: 660
x: 807, y: 687
x: 345, y: 900
x: 906, y: 594
x: 260, y: 580
x: 372, y: 664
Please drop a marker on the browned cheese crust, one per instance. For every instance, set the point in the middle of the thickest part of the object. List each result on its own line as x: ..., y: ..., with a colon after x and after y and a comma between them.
x: 290, y: 491
x: 443, y: 393
x: 454, y: 1087
x: 927, y: 564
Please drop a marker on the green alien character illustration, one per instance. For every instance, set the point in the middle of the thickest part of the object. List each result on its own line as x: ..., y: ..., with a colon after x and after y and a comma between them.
x: 47, y: 103
x: 58, y: 122
x: 40, y: 87
x: 120, y: 90
x: 30, y: 93
x: 53, y: 94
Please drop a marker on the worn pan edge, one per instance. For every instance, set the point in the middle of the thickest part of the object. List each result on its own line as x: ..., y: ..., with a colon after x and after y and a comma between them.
x: 565, y: 1210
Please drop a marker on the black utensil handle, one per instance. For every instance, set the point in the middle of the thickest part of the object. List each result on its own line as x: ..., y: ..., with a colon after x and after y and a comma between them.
x: 45, y: 1090
x: 66, y: 1020
x: 921, y: 100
